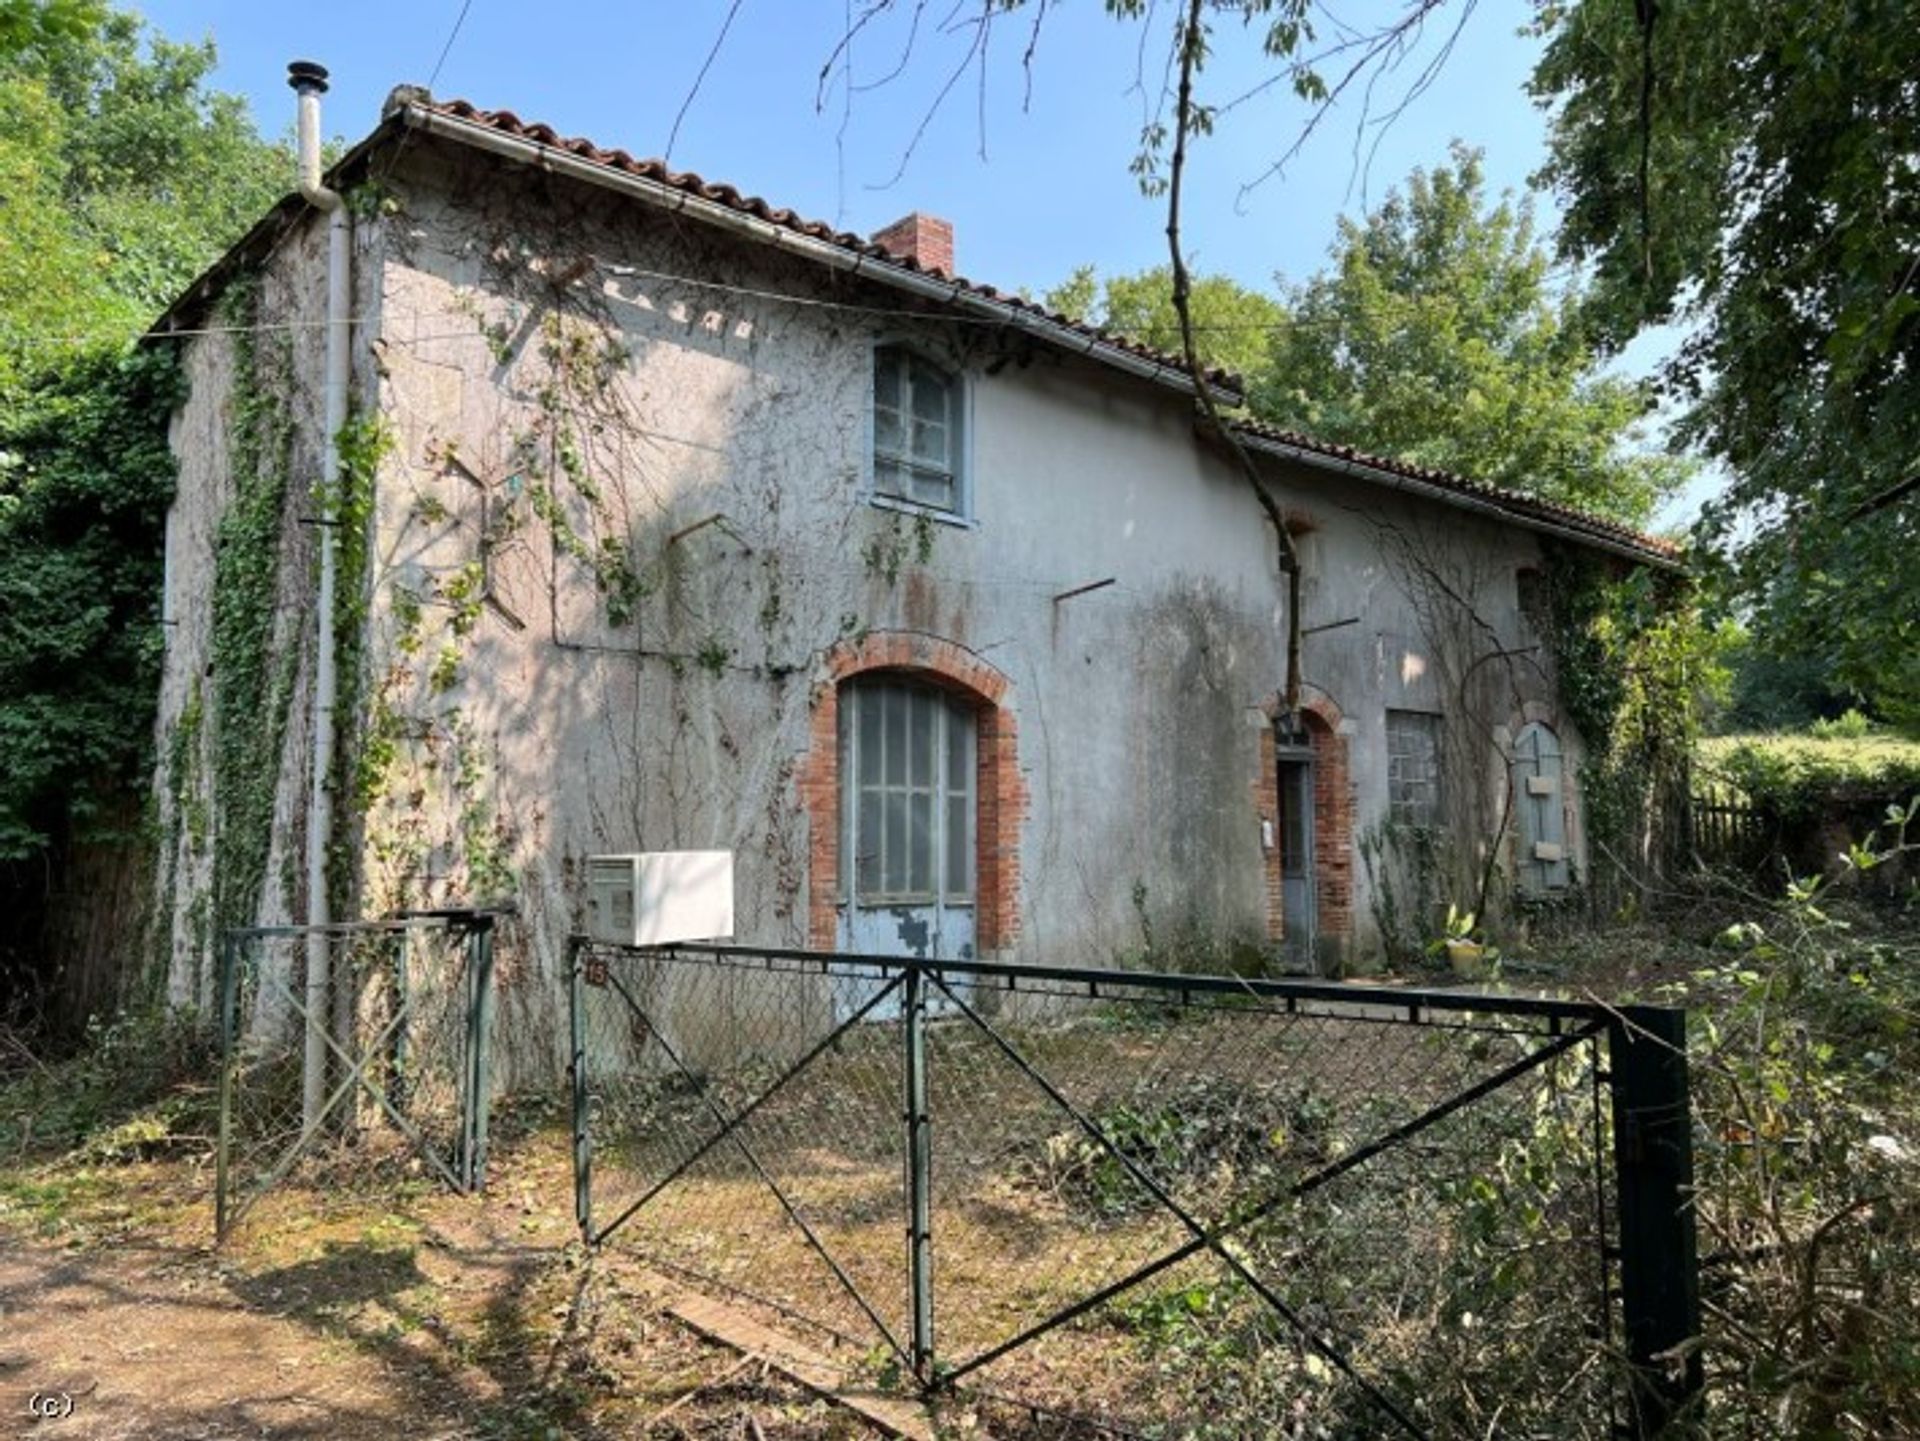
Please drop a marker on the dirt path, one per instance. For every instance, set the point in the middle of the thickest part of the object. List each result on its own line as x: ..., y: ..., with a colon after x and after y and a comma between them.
x: 426, y: 1316
x: 148, y: 1344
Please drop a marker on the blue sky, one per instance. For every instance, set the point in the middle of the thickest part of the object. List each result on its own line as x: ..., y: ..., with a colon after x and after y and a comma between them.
x: 1053, y: 190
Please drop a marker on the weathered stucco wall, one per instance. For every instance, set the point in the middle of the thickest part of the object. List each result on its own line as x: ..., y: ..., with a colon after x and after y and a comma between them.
x: 550, y: 365
x: 234, y: 727
x: 621, y: 553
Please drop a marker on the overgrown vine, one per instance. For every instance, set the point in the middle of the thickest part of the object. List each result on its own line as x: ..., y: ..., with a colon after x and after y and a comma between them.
x: 1631, y: 656
x: 252, y: 683
x: 362, y: 443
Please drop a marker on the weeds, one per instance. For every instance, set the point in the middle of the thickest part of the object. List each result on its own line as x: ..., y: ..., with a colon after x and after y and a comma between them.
x: 1205, y: 1128
x: 1807, y: 1111
x: 141, y: 1086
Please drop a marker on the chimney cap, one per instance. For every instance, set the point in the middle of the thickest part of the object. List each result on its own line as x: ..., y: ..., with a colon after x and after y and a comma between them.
x: 305, y: 76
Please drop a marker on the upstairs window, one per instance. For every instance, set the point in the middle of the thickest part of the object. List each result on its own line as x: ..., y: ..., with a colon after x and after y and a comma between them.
x: 1413, y: 769
x: 916, y: 430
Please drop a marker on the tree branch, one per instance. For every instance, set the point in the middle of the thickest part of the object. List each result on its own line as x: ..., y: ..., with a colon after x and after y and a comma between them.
x: 1191, y: 45
x: 1895, y: 492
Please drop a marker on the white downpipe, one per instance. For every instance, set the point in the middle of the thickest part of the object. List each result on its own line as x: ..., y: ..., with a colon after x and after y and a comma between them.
x: 310, y: 82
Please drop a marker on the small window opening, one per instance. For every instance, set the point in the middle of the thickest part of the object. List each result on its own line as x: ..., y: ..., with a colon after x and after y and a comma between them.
x: 1414, y: 795
x: 916, y: 430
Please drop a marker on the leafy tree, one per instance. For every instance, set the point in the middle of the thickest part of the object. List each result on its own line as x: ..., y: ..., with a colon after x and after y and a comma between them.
x: 28, y: 24
x: 1232, y: 324
x: 1746, y: 168
x: 121, y: 174
x: 1435, y: 335
x: 1769, y: 692
x: 121, y: 177
x: 85, y: 478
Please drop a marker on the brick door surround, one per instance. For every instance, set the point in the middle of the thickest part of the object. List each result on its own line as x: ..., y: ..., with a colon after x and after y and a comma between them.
x: 1332, y: 818
x: 1000, y: 788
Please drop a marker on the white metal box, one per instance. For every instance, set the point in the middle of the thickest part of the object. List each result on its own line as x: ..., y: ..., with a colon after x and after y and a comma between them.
x: 657, y: 897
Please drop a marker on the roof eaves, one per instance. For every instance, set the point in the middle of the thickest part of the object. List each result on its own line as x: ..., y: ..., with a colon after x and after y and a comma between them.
x: 1531, y: 512
x: 259, y: 242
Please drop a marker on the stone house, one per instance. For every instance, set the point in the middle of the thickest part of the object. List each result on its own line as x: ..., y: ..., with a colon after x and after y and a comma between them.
x: 665, y: 518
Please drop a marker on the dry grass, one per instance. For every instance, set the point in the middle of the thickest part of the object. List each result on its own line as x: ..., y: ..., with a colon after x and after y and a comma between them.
x: 1030, y: 1217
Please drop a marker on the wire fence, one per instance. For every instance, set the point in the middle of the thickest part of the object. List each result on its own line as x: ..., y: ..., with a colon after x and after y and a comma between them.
x: 1153, y: 1204
x: 381, y: 1070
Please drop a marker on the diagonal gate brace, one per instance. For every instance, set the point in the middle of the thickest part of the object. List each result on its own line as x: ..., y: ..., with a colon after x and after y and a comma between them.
x: 1202, y: 1238
x: 826, y: 1043
x: 730, y: 1129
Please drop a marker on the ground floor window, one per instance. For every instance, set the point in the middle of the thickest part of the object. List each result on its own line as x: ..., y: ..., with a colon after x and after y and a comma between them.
x: 907, y: 762
x: 1413, y: 769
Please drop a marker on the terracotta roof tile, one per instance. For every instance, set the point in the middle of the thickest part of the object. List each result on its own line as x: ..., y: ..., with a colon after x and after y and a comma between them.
x: 1514, y: 502
x: 722, y: 194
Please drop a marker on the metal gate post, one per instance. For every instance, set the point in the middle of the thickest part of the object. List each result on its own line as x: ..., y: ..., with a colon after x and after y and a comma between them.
x: 1653, y: 1166
x: 473, y: 1168
x: 229, y: 1028
x: 399, y: 1054
x: 919, y: 1172
x: 577, y: 1075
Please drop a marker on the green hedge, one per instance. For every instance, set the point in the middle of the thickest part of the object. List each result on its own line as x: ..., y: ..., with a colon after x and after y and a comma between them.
x: 1798, y: 776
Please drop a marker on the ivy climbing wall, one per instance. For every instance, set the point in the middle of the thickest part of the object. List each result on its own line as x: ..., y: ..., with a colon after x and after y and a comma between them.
x: 234, y: 733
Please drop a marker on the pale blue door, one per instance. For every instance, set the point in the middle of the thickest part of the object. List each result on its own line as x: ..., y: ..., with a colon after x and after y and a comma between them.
x: 1540, y: 804
x: 1295, y: 770
x: 907, y: 767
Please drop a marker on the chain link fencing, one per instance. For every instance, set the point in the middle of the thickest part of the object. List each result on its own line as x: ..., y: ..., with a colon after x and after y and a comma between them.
x: 1154, y: 1204
x: 400, y: 1030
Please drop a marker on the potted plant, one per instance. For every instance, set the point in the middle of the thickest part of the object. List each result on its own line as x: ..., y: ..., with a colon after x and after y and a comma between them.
x: 1471, y: 958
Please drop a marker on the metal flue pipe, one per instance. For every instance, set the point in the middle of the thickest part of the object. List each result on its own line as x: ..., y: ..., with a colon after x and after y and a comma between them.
x: 309, y: 82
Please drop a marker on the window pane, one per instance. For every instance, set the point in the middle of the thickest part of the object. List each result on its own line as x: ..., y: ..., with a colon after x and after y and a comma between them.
x: 894, y: 701
x: 959, y: 847
x: 920, y: 766
x: 935, y: 490
x: 930, y: 444
x: 920, y: 842
x: 1295, y: 813
x: 886, y: 378
x: 929, y: 394
x: 866, y: 846
x: 889, y: 477
x: 889, y: 435
x: 893, y: 863
x: 959, y: 750
x: 867, y: 702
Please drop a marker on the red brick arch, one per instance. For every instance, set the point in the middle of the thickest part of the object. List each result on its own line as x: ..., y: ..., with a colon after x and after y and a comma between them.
x: 1000, y: 788
x: 1333, y: 817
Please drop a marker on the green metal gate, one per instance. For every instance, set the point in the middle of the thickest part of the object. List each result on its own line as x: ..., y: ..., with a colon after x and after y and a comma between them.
x: 406, y: 1036
x: 1158, y: 1204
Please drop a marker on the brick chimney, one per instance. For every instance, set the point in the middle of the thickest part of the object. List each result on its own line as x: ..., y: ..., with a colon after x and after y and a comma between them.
x: 925, y: 238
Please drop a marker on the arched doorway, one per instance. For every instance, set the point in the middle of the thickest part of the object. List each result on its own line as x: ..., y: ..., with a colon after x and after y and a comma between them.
x: 1305, y: 801
x: 909, y: 817
x: 920, y: 733
x: 1295, y: 824
x: 1540, y: 807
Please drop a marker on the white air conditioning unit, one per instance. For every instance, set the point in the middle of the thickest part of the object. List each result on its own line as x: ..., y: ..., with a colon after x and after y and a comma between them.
x: 654, y: 898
